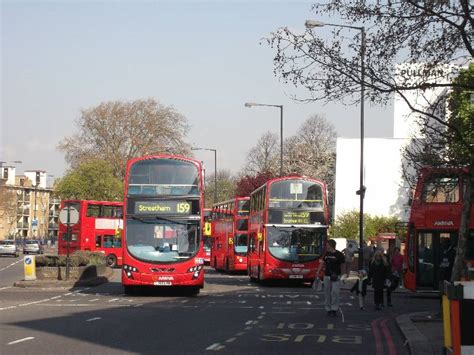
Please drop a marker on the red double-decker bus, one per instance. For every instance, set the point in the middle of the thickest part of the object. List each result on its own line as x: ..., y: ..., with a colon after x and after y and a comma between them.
x: 163, y: 223
x: 287, y: 229
x: 433, y: 226
x: 229, y: 232
x: 98, y: 229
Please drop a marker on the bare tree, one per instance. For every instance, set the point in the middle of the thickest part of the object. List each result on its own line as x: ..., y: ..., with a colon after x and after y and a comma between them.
x: 119, y: 130
x: 264, y: 157
x: 312, y: 151
x: 434, y: 33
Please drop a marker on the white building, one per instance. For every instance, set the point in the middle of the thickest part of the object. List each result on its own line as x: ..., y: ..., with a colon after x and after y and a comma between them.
x: 387, y: 193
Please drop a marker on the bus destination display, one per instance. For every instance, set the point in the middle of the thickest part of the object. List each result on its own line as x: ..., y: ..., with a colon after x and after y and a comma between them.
x: 163, y: 207
x: 294, y: 217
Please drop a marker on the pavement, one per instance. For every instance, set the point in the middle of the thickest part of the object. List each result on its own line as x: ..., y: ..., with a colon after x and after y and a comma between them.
x: 423, y: 331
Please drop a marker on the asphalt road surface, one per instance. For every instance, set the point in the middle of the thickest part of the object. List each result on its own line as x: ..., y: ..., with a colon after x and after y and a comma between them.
x: 230, y: 315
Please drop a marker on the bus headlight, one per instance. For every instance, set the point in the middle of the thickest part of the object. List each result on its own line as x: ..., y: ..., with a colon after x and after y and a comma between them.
x: 195, y: 269
x: 128, y: 270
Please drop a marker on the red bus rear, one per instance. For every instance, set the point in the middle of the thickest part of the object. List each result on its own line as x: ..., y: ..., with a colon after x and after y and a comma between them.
x: 434, y: 224
x: 287, y: 229
x: 98, y: 229
x: 163, y: 222
x: 230, y: 229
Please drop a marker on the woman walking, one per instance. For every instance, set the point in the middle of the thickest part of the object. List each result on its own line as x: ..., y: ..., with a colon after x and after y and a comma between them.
x: 378, y: 272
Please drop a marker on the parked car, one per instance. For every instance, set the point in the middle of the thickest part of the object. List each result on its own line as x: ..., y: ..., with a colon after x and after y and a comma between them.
x: 32, y: 246
x: 8, y: 247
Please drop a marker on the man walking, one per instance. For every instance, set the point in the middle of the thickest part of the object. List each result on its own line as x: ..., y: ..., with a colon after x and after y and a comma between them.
x: 332, y: 261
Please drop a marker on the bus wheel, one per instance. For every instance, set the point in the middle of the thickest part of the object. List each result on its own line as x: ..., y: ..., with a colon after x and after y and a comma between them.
x: 129, y: 290
x: 193, y: 291
x: 111, y: 260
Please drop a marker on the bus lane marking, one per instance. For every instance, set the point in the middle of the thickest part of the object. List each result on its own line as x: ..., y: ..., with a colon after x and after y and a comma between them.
x: 388, y: 337
x: 313, y: 333
x: 377, y: 338
x: 20, y: 340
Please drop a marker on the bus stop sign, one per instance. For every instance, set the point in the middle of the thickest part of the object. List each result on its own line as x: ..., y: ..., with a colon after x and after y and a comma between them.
x: 73, y: 216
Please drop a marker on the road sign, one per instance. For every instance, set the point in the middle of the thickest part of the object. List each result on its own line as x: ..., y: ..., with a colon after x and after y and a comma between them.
x: 29, y: 265
x: 73, y: 216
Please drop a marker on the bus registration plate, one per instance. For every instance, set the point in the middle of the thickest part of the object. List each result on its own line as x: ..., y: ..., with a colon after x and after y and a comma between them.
x: 162, y: 283
x: 296, y: 276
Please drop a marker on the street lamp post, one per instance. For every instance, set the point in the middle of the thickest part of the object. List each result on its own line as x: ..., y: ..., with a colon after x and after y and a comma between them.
x: 215, y: 168
x: 251, y: 104
x: 361, y: 192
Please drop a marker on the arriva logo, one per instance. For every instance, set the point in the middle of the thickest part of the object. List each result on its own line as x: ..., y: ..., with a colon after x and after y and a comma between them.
x: 443, y: 223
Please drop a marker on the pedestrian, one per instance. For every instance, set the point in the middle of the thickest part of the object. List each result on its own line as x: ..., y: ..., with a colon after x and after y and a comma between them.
x: 396, y: 266
x: 332, y: 261
x: 360, y: 287
x: 378, y: 274
x: 367, y: 255
x: 348, y: 257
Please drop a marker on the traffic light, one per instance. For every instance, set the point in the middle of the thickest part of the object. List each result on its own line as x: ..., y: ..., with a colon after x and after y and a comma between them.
x: 37, y: 178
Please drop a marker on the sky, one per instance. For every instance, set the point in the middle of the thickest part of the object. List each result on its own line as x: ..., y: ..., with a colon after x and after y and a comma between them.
x: 204, y: 58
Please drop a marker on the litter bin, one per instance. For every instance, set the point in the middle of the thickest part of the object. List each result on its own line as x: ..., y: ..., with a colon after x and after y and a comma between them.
x: 458, y: 317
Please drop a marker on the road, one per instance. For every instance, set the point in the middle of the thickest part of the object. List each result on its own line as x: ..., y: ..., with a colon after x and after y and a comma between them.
x: 230, y: 315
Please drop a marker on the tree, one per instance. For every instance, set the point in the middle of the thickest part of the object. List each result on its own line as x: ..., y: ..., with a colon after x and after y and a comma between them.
x: 8, y: 206
x: 117, y: 131
x: 346, y: 225
x: 312, y: 151
x: 225, y: 187
x: 90, y: 180
x: 436, y: 33
x: 265, y: 156
x: 249, y: 183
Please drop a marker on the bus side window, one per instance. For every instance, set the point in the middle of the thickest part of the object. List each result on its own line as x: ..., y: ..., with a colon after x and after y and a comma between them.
x: 117, y: 243
x: 108, y: 241
x: 98, y: 241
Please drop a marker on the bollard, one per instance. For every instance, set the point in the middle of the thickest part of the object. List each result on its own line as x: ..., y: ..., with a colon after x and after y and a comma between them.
x: 458, y: 317
x: 29, y: 265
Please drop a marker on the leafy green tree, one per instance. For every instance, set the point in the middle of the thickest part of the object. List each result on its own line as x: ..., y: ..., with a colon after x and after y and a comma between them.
x: 90, y: 180
x: 225, y: 187
x: 346, y: 225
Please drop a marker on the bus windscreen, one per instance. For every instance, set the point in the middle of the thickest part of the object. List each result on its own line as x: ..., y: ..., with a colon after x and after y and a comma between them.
x: 162, y: 240
x: 295, y: 194
x: 159, y: 177
x: 295, y: 244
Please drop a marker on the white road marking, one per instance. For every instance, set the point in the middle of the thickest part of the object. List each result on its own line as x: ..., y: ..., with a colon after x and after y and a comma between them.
x: 93, y: 319
x: 230, y: 340
x: 113, y: 300
x: 4, y: 288
x: 10, y: 307
x: 239, y: 334
x: 20, y: 340
x: 55, y: 297
x: 138, y: 305
x: 95, y: 299
x: 215, y: 346
x: 9, y: 266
